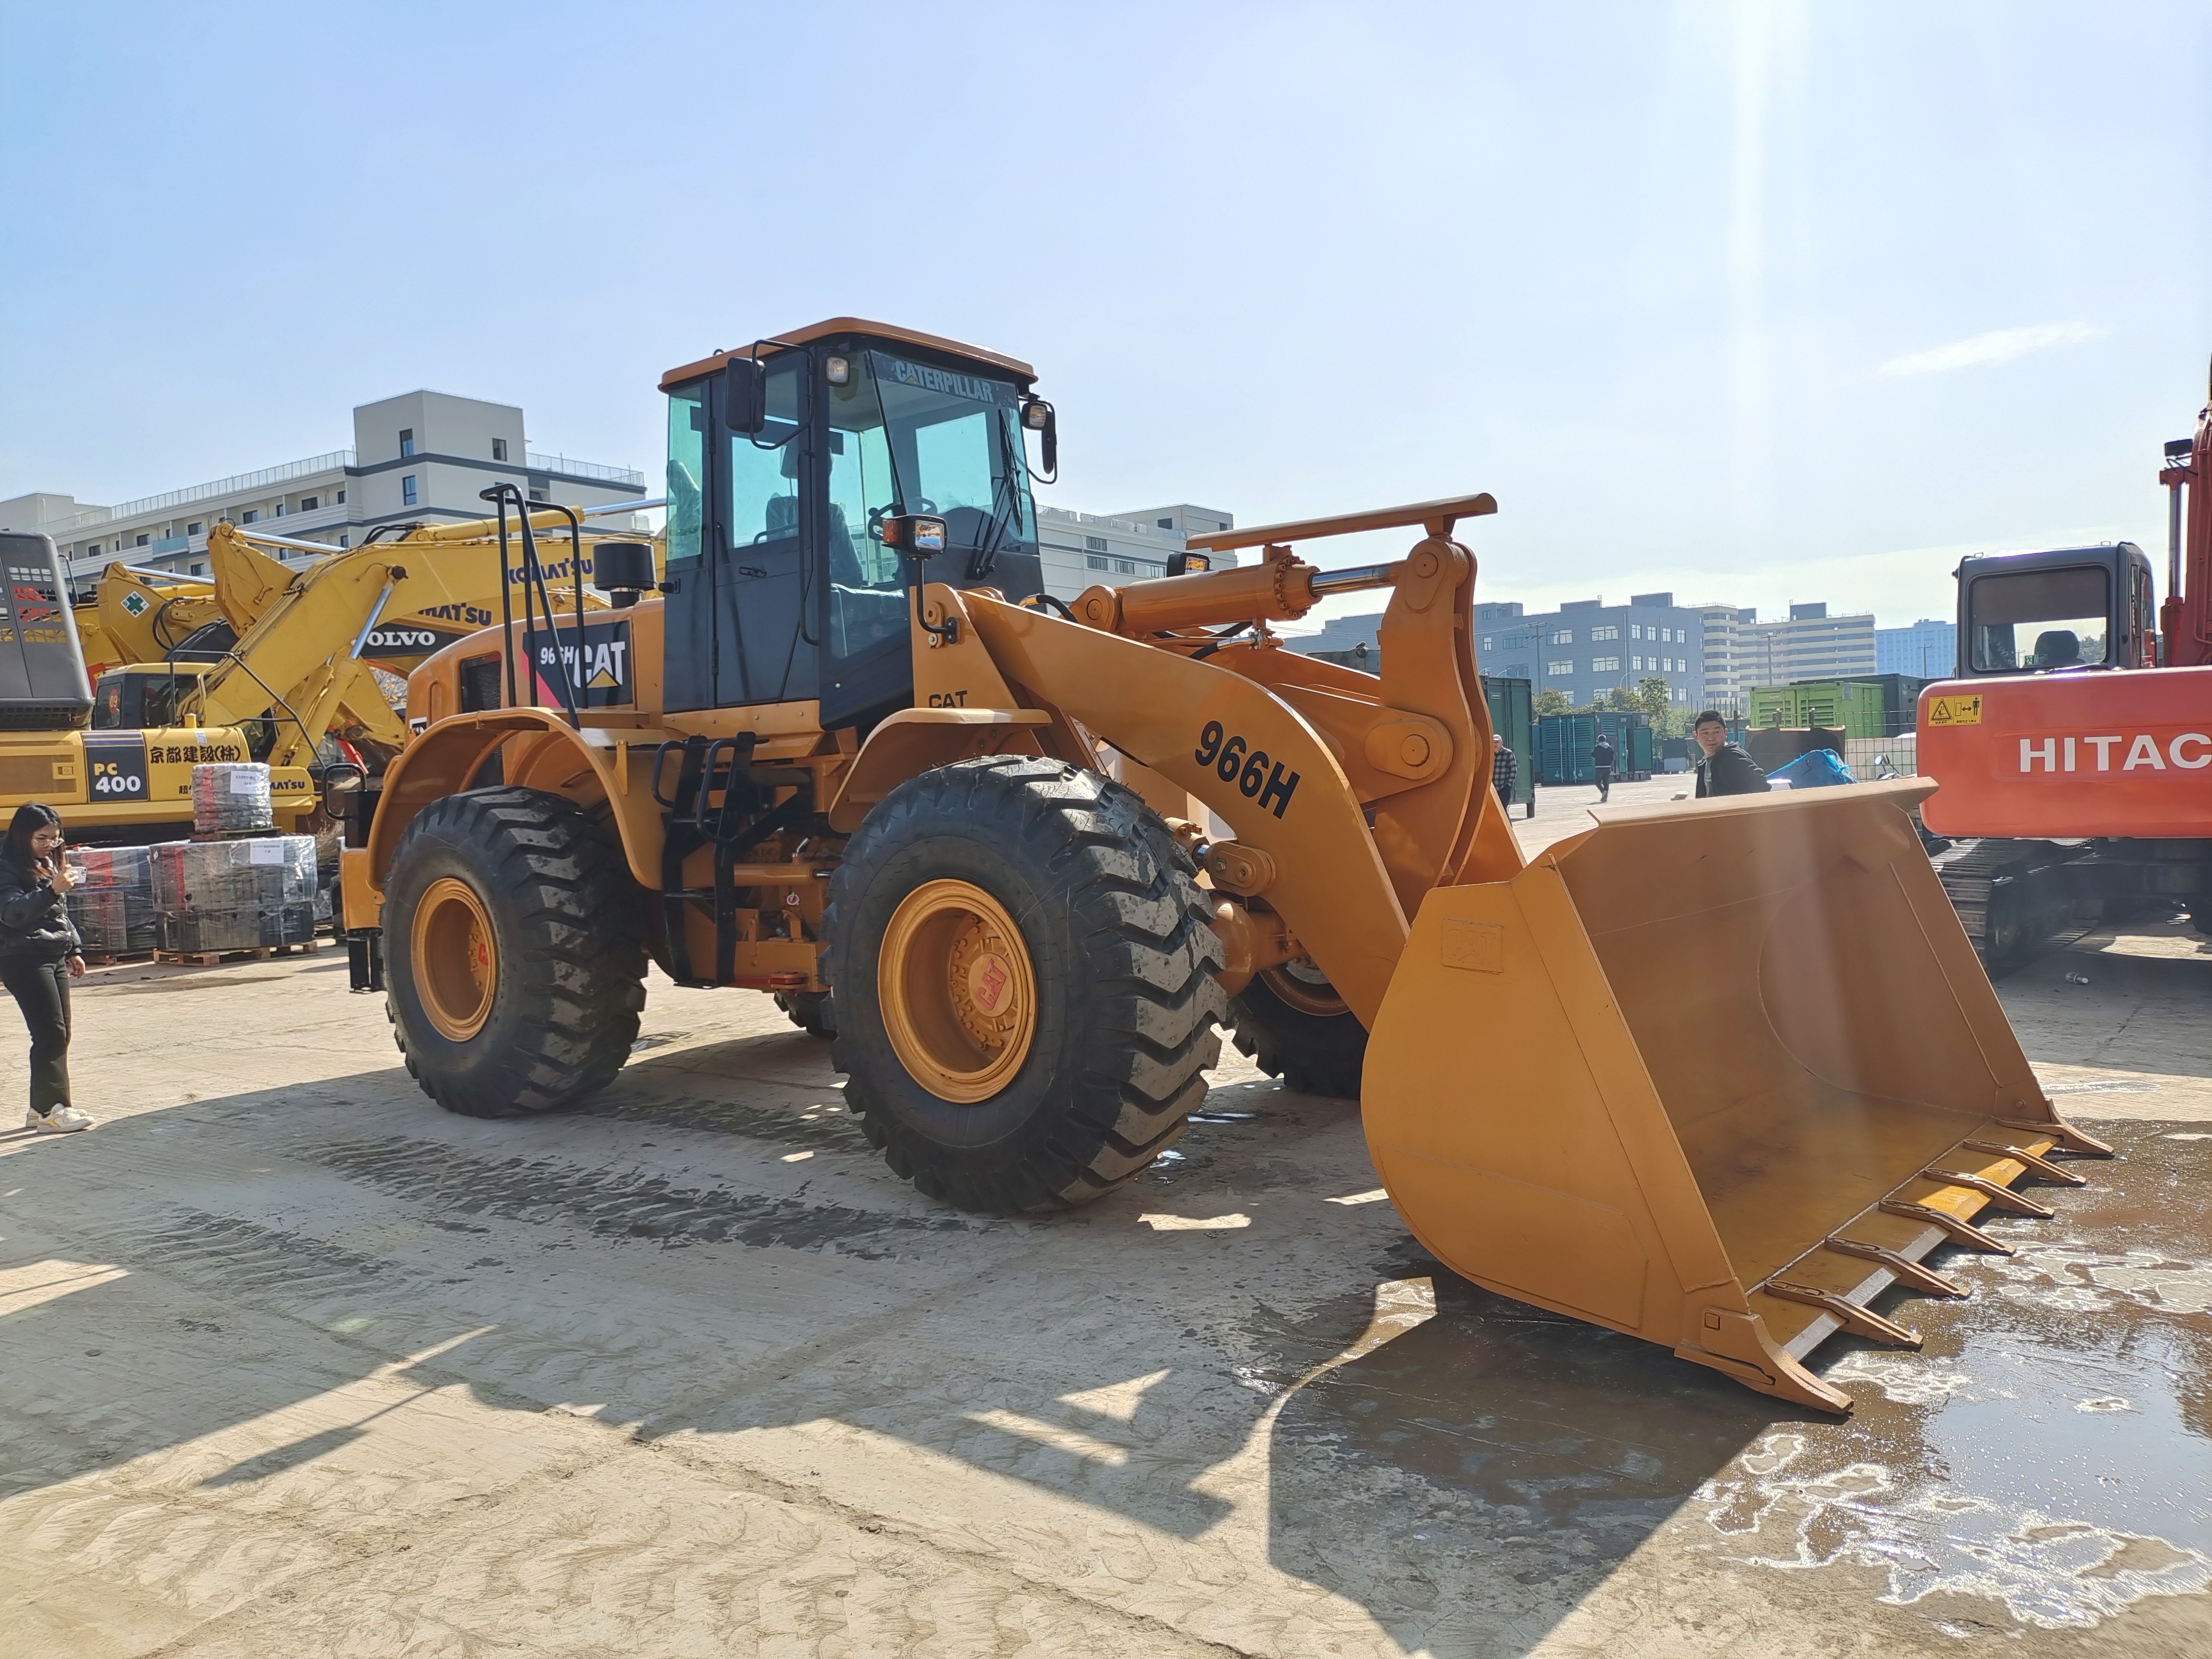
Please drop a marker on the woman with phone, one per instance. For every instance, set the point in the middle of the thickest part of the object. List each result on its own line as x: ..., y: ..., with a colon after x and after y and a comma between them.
x: 39, y: 957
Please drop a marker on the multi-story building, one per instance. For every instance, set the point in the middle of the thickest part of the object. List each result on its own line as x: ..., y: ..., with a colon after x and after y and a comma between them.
x: 1081, y: 549
x: 1928, y: 650
x: 418, y: 458
x: 1584, y: 649
x: 1742, y: 651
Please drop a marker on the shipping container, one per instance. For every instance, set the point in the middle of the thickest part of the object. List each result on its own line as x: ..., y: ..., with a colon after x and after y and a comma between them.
x: 1510, y: 718
x: 1566, y: 741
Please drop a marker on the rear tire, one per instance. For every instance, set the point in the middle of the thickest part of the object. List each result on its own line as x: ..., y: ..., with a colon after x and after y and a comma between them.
x: 1295, y: 1027
x: 811, y: 1012
x: 514, y: 975
x: 1049, y: 914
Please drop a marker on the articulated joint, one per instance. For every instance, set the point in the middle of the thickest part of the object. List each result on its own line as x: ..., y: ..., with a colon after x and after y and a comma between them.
x: 1253, y: 940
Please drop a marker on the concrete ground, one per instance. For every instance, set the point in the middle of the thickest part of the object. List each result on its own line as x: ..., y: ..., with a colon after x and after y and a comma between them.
x: 295, y: 1363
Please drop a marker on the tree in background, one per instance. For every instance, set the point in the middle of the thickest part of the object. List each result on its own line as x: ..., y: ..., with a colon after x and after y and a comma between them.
x: 1550, y: 703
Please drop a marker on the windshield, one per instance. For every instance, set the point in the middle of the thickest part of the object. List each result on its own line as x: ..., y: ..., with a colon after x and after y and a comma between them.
x: 2032, y: 619
x: 906, y: 437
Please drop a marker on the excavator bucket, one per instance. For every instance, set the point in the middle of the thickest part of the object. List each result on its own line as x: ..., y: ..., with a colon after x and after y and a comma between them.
x: 1735, y: 1071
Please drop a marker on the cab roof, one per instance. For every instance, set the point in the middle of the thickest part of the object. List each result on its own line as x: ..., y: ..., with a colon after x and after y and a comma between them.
x: 837, y: 325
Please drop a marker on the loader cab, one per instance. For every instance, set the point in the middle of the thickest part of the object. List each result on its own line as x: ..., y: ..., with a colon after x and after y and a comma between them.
x: 2051, y: 612
x: 780, y: 588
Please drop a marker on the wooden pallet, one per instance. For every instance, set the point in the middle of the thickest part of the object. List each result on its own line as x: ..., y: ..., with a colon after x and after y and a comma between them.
x: 113, y: 958
x: 215, y: 958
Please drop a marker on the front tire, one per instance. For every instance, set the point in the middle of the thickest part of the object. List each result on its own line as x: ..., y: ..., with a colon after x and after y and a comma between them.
x: 1024, y: 971
x: 513, y: 971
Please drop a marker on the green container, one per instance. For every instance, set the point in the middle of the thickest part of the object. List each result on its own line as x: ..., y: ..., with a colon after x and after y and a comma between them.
x: 1512, y: 717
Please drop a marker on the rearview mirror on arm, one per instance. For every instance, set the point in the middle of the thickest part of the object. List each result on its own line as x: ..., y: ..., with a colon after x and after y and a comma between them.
x: 744, y: 394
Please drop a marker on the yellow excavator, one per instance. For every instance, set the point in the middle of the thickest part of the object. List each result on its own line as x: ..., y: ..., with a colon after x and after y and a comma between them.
x: 287, y: 656
x: 1718, y: 1075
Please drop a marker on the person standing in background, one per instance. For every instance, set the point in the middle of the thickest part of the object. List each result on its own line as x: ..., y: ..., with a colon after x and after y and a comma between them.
x: 39, y: 957
x: 1725, y: 768
x: 1505, y: 771
x: 1601, y: 758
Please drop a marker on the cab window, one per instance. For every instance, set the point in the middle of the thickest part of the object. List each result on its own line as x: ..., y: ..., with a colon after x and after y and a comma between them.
x: 2027, y: 620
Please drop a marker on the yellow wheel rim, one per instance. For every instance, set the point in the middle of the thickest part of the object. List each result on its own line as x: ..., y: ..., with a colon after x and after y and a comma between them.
x: 958, y: 993
x: 1302, y: 986
x: 456, y: 958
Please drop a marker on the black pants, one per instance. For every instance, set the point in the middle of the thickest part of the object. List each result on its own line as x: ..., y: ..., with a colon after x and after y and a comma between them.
x: 1605, y: 783
x: 41, y: 990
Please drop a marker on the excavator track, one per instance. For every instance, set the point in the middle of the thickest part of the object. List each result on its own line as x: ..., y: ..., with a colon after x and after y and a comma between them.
x: 2011, y: 896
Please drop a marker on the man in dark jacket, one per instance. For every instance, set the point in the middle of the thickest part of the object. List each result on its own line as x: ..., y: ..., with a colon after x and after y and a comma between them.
x: 1725, y: 769
x: 1505, y: 771
x: 1602, y: 759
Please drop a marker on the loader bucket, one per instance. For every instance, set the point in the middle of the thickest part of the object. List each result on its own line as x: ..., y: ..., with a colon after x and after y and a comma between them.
x: 1716, y: 1074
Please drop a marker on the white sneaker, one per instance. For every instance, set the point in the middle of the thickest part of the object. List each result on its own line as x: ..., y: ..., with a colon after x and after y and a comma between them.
x: 62, y: 1121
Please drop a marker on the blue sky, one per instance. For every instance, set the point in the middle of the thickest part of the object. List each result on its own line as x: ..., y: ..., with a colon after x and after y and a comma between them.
x: 1759, y: 302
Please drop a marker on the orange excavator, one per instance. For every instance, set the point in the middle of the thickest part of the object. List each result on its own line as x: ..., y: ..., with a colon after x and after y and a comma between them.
x: 2074, y: 744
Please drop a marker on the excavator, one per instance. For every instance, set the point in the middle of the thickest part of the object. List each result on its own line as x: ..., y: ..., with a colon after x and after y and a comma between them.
x: 2074, y: 743
x: 289, y: 656
x: 1739, y: 1071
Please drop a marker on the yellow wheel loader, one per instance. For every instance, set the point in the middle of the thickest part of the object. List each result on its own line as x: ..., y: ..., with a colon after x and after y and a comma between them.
x: 1716, y: 1074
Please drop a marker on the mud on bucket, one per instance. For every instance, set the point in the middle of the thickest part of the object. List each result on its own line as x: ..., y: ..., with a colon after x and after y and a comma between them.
x: 1731, y: 1069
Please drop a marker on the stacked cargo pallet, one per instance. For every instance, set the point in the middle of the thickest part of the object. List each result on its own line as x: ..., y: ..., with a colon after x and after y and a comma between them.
x: 112, y: 903
x: 216, y: 897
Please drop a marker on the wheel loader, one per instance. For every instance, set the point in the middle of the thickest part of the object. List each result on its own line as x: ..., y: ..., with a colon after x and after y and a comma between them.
x: 1716, y: 1075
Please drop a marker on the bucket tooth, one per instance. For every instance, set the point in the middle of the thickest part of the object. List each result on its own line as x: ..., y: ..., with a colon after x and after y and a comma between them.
x: 1858, y: 1321
x: 1961, y: 1231
x: 2029, y: 1162
x: 1918, y: 1274
x: 2003, y: 1197
x: 2064, y: 1133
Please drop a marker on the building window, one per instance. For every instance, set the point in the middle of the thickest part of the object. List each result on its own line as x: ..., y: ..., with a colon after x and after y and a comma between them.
x: 341, y: 498
x: 1636, y: 665
x: 1094, y: 544
x: 499, y: 449
x: 1125, y: 567
x: 1610, y: 633
x: 1556, y: 669
x: 1486, y: 642
x: 137, y: 541
x: 407, y: 491
x: 1098, y: 561
x: 1563, y: 636
x: 309, y: 503
x: 1604, y: 665
x: 345, y: 540
x: 406, y: 442
x: 252, y: 515
x: 280, y: 509
x: 193, y: 528
x: 92, y: 552
x: 199, y: 570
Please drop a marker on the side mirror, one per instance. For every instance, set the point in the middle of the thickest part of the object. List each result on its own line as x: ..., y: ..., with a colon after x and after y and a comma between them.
x: 1189, y: 563
x: 340, y: 779
x: 1040, y: 417
x: 623, y: 570
x: 744, y: 394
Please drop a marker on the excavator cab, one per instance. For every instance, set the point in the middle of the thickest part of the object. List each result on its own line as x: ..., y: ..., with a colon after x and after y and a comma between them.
x: 2065, y: 608
x: 784, y: 459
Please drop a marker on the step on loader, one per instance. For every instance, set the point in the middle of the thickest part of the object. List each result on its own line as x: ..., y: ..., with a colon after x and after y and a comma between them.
x: 1717, y: 1075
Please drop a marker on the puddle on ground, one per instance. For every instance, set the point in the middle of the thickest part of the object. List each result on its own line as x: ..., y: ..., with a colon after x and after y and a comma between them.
x: 2050, y: 1450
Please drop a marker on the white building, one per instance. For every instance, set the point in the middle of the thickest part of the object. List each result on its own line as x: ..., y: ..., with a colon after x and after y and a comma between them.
x: 1742, y: 653
x: 1081, y: 549
x: 420, y: 458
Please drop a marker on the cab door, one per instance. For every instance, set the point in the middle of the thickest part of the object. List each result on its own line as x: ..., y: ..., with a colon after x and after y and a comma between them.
x: 740, y: 623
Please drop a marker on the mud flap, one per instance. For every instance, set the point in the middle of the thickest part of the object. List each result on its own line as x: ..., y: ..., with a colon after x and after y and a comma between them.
x: 1709, y: 1048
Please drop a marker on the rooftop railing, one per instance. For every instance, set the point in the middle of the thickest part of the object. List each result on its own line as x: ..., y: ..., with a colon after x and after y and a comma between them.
x: 621, y: 475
